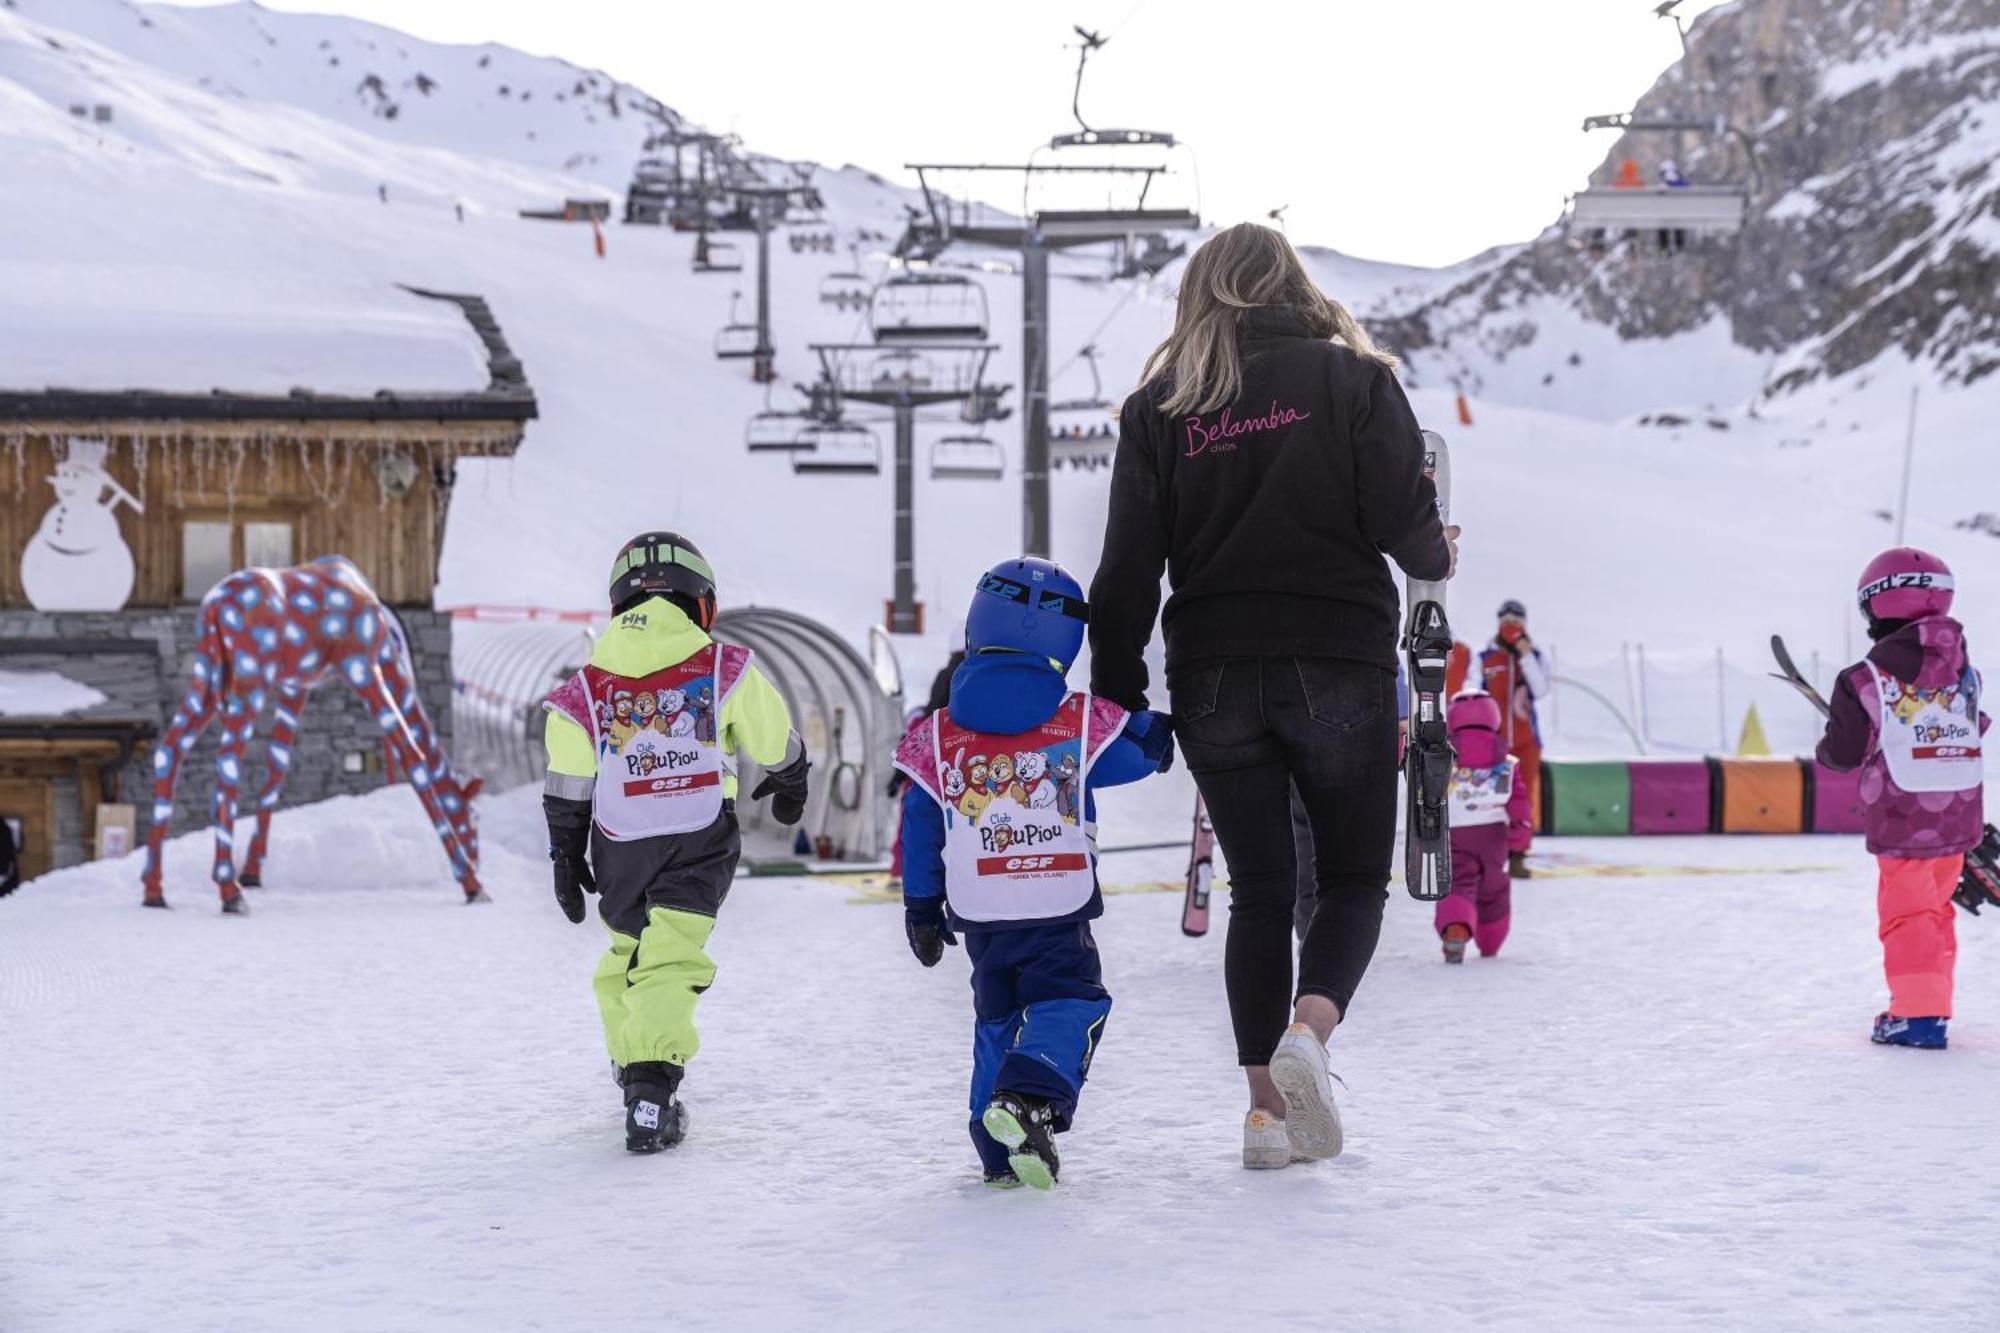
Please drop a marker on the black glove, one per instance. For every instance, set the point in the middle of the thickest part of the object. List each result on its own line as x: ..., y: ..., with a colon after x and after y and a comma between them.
x: 928, y: 931
x: 787, y: 789
x: 573, y: 880
x: 569, y: 847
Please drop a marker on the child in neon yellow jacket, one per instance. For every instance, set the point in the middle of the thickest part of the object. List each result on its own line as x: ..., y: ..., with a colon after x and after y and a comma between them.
x: 640, y: 800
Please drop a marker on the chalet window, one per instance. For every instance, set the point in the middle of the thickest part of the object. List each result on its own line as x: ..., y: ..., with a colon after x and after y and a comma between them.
x: 215, y: 547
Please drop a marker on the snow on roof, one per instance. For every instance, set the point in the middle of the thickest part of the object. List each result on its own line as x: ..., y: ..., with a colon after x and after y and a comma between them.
x: 44, y: 694
x: 111, y: 326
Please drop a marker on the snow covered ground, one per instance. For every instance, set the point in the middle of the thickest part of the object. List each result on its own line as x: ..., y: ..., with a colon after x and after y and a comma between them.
x: 366, y: 1106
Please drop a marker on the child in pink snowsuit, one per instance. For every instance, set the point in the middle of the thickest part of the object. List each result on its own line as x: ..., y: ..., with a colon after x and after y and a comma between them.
x: 1489, y: 816
x: 1908, y: 717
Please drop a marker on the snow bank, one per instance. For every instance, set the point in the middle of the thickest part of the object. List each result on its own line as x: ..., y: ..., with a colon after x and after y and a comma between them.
x: 44, y: 694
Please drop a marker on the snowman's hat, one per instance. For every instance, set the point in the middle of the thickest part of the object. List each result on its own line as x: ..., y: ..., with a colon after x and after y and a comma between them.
x: 82, y: 455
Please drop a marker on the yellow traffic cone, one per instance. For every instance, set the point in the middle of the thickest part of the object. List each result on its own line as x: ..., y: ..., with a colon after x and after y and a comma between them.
x: 1752, y: 742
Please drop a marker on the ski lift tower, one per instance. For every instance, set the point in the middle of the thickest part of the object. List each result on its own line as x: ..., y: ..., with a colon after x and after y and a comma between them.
x: 904, y: 379
x: 767, y: 205
x: 1132, y: 160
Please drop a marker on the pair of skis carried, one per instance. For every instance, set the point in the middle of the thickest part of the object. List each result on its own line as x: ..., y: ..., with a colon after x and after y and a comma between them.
x: 1427, y: 758
x: 1979, y: 884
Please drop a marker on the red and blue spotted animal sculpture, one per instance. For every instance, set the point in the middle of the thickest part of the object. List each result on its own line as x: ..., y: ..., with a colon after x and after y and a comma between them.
x: 268, y: 638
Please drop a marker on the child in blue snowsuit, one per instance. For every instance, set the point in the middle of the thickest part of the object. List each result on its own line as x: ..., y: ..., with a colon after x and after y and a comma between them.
x: 999, y: 846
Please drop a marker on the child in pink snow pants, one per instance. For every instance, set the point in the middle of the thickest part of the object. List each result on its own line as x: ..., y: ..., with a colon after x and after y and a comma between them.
x: 1907, y: 715
x: 1489, y: 817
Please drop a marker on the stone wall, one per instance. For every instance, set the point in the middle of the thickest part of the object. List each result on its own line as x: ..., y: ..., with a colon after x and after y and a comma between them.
x: 149, y: 686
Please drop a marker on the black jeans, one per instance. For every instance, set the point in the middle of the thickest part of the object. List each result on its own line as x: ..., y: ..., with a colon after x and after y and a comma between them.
x: 1252, y: 729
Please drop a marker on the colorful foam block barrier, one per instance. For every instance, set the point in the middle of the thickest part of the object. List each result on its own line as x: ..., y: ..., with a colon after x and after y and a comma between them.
x: 1587, y: 799
x: 1836, y: 799
x: 1670, y: 796
x: 1759, y: 795
x: 1647, y: 797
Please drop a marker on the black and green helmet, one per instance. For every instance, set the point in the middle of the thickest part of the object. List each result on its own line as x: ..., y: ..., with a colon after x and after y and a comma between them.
x: 665, y: 564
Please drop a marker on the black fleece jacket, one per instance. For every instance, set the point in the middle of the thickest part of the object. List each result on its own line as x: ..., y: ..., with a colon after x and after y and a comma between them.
x: 1271, y: 516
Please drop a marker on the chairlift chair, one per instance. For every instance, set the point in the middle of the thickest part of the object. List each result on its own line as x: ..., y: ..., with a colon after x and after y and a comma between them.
x: 1083, y: 431
x: 900, y: 368
x: 772, y: 432
x: 718, y: 257
x: 1712, y: 209
x: 736, y: 339
x: 917, y: 307
x: 848, y: 289
x: 838, y: 447
x: 967, y: 458
x: 845, y: 291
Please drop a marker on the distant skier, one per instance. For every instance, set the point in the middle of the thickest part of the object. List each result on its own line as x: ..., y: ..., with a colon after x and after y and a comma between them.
x: 1489, y: 819
x: 1672, y: 239
x: 1017, y: 877
x: 646, y: 818
x: 1628, y: 177
x: 1908, y: 716
x: 1516, y: 675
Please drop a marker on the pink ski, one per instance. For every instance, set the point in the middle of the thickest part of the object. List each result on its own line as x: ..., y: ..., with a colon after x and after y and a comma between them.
x: 1201, y: 873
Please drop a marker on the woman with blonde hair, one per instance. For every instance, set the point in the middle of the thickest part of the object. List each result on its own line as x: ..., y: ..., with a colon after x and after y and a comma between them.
x: 1268, y: 463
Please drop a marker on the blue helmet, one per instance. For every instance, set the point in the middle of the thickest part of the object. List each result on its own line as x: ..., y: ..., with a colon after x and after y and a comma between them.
x: 1028, y: 605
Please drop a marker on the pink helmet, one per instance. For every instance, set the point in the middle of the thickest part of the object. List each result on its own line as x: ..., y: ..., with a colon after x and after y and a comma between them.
x: 1473, y: 708
x: 1905, y: 584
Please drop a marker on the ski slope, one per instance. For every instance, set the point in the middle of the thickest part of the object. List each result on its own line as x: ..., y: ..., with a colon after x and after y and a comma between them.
x: 366, y: 1106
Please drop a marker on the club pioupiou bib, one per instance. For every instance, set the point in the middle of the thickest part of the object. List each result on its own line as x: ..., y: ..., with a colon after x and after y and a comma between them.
x: 657, y: 738
x: 1479, y: 793
x: 1929, y: 737
x: 1017, y: 846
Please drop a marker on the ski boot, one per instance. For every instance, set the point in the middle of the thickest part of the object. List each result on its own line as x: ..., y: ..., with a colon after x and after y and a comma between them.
x: 1312, y: 1120
x: 654, y: 1118
x: 1003, y: 1179
x: 1926, y: 1034
x: 1517, y: 866
x: 1455, y: 938
x: 1025, y: 1127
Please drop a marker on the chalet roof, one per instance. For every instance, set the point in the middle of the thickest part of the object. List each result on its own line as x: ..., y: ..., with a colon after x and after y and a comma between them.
x: 507, y: 395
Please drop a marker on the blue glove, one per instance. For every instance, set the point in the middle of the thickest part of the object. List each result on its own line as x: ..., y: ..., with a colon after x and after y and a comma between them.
x: 1154, y: 735
x: 928, y: 931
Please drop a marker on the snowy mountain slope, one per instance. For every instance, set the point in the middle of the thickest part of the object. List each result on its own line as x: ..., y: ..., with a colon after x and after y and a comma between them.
x: 1872, y: 226
x: 1681, y: 536
x: 487, y: 100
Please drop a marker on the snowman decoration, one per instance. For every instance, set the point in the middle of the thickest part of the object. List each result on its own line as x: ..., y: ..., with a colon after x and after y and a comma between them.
x: 78, y: 560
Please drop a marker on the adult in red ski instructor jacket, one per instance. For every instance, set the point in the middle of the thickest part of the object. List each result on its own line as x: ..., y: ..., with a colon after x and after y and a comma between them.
x: 1268, y: 464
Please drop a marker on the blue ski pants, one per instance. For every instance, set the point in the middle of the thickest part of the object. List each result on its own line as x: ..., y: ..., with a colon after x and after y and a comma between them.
x: 1039, y: 1006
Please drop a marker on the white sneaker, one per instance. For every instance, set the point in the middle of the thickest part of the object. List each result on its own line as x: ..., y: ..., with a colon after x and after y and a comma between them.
x: 1298, y: 1067
x: 1266, y: 1145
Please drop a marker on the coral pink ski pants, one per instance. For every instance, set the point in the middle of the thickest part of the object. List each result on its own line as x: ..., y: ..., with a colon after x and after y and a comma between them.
x: 1919, y: 943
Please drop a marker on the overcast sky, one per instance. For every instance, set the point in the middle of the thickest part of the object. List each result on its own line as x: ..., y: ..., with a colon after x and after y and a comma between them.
x: 1420, y: 131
